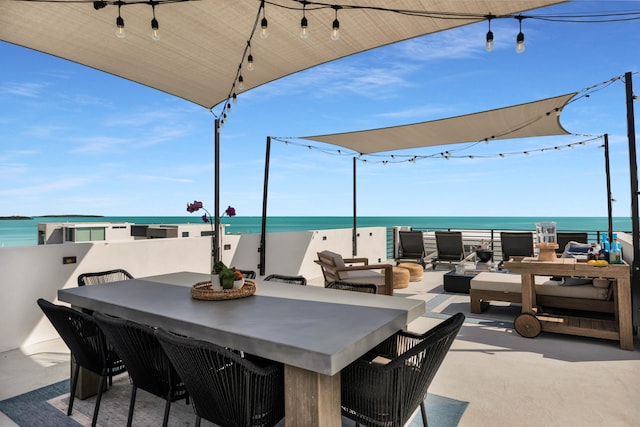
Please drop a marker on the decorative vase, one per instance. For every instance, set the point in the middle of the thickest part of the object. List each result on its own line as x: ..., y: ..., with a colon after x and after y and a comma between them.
x: 215, y: 283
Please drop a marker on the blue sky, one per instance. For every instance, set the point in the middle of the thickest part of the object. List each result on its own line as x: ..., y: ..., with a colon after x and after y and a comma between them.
x: 76, y: 140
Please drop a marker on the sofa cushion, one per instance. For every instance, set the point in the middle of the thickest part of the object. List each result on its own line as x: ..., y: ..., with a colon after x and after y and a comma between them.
x: 505, y: 282
x: 334, y: 259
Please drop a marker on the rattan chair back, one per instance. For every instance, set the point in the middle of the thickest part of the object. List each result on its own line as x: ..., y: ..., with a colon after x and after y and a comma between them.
x: 148, y: 366
x: 100, y: 277
x: 385, y: 386
x: 84, y: 338
x: 97, y: 278
x: 226, y: 388
x: 294, y: 280
x: 369, y: 288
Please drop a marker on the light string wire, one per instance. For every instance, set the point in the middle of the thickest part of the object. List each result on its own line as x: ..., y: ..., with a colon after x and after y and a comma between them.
x: 409, y: 158
x: 451, y: 154
x: 310, y: 6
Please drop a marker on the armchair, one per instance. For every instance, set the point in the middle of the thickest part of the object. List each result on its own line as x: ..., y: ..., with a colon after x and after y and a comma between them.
x: 334, y: 267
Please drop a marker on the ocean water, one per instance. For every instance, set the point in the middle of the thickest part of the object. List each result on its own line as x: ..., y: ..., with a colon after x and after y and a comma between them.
x: 24, y: 232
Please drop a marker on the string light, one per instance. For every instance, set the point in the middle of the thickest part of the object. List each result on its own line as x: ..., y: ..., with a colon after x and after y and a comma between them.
x: 520, y: 36
x: 234, y: 98
x: 155, y: 35
x: 120, y: 33
x: 446, y: 155
x: 335, y: 32
x: 489, y: 44
x: 240, y: 82
x: 264, y: 24
x: 250, y: 66
x: 304, y: 31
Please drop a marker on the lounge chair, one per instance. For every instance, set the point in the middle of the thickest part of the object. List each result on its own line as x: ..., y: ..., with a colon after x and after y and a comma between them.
x: 450, y: 249
x: 334, y: 267
x: 411, y: 244
x: 516, y: 244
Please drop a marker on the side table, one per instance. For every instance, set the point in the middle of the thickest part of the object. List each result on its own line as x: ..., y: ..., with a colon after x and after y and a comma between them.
x: 458, y: 282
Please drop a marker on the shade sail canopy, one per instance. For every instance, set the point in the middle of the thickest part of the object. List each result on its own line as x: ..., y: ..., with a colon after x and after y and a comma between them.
x: 540, y: 118
x: 203, y: 42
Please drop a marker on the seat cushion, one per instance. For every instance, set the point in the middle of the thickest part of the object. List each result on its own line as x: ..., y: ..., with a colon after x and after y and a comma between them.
x: 505, y: 282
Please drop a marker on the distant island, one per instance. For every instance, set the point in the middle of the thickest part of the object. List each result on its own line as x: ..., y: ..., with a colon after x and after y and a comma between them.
x: 71, y: 216
x: 50, y: 216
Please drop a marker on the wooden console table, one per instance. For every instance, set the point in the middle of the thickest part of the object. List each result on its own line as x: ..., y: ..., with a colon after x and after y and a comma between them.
x: 531, y: 322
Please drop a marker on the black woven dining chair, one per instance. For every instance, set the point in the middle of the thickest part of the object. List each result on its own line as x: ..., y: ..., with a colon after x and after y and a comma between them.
x: 84, y: 338
x: 148, y: 366
x: 227, y: 389
x: 294, y: 280
x: 99, y: 278
x: 344, y: 285
x: 386, y: 385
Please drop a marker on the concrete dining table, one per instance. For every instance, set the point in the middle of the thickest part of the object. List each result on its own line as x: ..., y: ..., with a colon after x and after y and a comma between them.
x: 315, y: 332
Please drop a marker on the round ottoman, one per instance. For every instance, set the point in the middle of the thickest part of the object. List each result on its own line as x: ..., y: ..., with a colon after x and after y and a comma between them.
x: 400, y: 278
x: 416, y: 272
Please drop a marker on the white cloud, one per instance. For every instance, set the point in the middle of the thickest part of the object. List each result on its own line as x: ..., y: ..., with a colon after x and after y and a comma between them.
x: 156, y: 178
x: 29, y: 90
x: 63, y: 184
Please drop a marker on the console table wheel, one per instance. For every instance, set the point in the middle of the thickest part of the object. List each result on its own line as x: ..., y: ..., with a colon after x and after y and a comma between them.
x: 527, y: 325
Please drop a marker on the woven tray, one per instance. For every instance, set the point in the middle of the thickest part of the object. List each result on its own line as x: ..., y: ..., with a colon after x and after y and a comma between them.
x: 202, y: 290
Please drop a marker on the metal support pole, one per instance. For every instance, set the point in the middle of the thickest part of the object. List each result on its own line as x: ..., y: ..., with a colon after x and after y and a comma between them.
x: 265, y: 191
x: 354, y: 240
x: 633, y: 174
x: 608, y: 175
x: 216, y: 193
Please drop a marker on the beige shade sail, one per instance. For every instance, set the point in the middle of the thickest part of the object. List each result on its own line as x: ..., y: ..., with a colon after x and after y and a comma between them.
x: 540, y: 118
x: 203, y: 42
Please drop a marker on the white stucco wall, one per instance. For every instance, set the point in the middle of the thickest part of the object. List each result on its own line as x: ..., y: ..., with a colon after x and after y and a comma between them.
x: 31, y: 272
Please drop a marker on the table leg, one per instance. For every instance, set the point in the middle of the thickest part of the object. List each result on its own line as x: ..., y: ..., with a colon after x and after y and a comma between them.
x: 87, y: 382
x: 622, y: 297
x: 528, y: 293
x: 311, y: 399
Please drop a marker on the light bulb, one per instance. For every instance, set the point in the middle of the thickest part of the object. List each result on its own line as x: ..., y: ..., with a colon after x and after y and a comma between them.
x: 264, y: 24
x: 335, y: 32
x: 304, y: 32
x: 489, y: 45
x: 520, y: 42
x: 250, y: 62
x: 240, y: 82
x: 155, y: 35
x: 234, y: 97
x: 120, y: 33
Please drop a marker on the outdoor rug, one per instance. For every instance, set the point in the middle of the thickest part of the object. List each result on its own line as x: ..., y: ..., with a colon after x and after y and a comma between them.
x: 48, y: 407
